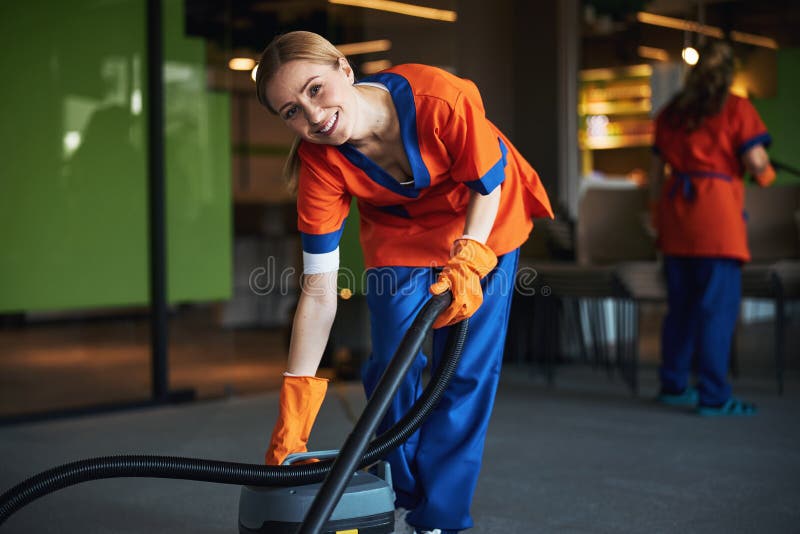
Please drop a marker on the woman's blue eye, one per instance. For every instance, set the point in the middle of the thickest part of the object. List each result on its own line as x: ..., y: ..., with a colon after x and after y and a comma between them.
x: 290, y: 112
x: 315, y: 89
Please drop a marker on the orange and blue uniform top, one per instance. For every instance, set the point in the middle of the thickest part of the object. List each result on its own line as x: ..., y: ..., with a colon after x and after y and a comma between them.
x: 701, y: 206
x: 453, y: 149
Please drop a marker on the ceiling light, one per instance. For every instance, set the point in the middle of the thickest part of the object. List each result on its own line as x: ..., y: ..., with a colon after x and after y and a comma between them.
x: 678, y: 24
x: 241, y: 63
x: 690, y: 55
x: 757, y: 40
x: 659, y: 54
x: 401, y: 8
x: 366, y: 47
x: 371, y: 67
x: 711, y: 31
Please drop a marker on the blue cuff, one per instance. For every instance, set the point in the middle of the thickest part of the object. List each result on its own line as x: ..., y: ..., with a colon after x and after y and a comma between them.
x: 493, y: 176
x: 760, y: 139
x: 321, y: 243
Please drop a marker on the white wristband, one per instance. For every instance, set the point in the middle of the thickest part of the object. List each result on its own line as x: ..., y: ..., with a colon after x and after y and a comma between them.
x: 321, y: 263
x: 467, y: 236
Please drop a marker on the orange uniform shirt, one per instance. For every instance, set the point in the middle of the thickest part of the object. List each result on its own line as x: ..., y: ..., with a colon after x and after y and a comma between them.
x: 701, y: 207
x: 453, y: 149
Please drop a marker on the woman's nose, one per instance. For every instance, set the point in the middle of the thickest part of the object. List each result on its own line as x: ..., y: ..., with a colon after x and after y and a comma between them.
x: 314, y: 114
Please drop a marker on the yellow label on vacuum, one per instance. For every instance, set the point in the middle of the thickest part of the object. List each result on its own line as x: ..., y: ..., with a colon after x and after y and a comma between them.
x: 351, y: 531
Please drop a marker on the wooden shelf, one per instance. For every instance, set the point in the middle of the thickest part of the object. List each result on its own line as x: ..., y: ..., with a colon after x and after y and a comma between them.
x: 615, y: 106
x: 617, y: 141
x: 638, y: 107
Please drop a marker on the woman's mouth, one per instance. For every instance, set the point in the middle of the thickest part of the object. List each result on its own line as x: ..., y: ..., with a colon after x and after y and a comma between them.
x: 330, y: 126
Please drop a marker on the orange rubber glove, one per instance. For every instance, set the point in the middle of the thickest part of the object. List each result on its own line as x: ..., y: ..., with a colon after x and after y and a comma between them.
x: 462, y: 275
x: 300, y: 401
x: 767, y: 176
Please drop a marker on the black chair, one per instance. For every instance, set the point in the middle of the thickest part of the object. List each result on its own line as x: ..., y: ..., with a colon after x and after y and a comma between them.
x: 608, y: 230
x: 637, y: 283
x: 774, y: 242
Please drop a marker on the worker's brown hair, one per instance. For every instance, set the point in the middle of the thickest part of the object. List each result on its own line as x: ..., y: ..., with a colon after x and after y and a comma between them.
x: 706, y: 88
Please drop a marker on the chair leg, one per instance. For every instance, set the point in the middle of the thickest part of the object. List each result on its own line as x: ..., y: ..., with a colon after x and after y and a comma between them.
x: 594, y: 328
x: 535, y: 338
x: 734, y: 357
x: 551, y: 336
x: 628, y: 349
x: 572, y: 327
x: 619, y: 329
x: 521, y: 322
x: 540, y: 342
x: 635, y: 311
x: 622, y: 346
x: 601, y: 312
x: 575, y: 309
x: 779, y: 339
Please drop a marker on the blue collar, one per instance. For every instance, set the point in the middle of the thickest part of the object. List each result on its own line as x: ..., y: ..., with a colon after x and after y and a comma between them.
x: 403, y: 99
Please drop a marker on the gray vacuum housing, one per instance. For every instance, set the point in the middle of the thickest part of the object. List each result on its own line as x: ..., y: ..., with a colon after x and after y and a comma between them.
x: 366, y: 507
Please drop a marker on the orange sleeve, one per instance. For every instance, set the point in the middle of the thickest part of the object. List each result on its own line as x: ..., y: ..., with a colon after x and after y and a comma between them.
x: 322, y: 204
x: 477, y: 153
x: 748, y: 128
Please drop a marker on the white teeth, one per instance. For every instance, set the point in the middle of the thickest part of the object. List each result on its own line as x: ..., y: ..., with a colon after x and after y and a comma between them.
x: 329, y: 124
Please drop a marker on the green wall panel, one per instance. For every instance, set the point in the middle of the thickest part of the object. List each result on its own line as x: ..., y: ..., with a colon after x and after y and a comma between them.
x: 351, y: 257
x: 198, y: 152
x: 782, y: 114
x: 73, y: 183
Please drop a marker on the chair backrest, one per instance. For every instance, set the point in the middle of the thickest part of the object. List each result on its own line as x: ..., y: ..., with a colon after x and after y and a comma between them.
x: 536, y: 245
x: 611, y: 226
x: 772, y: 232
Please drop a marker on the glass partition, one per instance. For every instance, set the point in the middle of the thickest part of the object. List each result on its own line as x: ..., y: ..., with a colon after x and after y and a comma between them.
x: 74, y: 275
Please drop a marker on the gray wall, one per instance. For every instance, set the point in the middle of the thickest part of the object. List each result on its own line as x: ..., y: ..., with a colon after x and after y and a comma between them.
x: 523, y: 57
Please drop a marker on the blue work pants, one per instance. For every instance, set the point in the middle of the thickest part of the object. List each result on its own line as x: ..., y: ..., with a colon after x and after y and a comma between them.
x: 436, y: 470
x: 704, y: 296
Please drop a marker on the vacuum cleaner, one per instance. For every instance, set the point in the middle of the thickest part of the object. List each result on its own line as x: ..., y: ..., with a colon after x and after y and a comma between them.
x: 334, y: 495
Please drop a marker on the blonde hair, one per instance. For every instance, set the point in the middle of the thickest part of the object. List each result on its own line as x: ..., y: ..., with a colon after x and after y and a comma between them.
x: 292, y: 46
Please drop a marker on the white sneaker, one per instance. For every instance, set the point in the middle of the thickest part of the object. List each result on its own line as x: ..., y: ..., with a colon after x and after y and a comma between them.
x: 400, y: 525
x: 434, y: 531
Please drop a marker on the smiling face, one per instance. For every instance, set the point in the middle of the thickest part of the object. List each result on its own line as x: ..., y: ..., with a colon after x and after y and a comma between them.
x: 316, y: 101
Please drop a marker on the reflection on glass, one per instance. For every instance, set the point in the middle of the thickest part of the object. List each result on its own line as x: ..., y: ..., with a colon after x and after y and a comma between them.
x: 73, y: 201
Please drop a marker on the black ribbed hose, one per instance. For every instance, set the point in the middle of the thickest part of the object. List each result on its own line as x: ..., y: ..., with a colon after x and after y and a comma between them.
x: 780, y: 166
x: 352, y: 452
x: 203, y: 470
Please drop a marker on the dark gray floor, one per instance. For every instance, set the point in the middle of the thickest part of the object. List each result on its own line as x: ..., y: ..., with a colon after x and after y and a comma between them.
x: 582, y: 457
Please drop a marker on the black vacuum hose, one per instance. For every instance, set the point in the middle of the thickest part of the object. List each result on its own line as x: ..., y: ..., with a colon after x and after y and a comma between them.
x: 780, y: 166
x: 203, y: 470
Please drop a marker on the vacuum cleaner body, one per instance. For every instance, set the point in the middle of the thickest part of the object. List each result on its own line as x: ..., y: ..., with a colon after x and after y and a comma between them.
x: 366, y: 507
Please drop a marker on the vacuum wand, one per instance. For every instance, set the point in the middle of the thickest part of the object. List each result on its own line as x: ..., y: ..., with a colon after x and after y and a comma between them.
x: 347, y: 462
x: 780, y: 166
